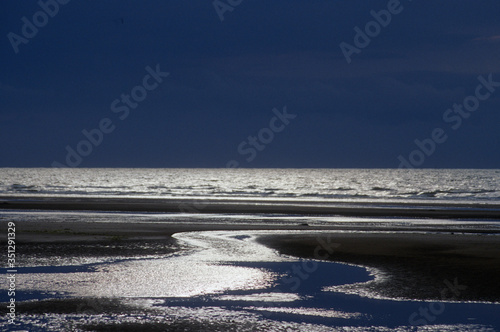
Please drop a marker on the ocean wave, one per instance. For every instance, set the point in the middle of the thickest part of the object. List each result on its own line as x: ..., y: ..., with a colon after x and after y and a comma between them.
x: 344, y: 189
x: 381, y: 189
x: 16, y: 187
x: 272, y: 183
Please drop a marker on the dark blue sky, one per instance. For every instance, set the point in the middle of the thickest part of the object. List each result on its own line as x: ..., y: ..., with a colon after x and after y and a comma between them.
x: 226, y: 77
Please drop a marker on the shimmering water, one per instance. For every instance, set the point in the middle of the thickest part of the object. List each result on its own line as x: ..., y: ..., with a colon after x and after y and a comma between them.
x: 348, y: 184
x: 226, y: 277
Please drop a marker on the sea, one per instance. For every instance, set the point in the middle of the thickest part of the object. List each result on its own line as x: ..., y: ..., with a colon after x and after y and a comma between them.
x: 227, y: 280
x: 298, y: 184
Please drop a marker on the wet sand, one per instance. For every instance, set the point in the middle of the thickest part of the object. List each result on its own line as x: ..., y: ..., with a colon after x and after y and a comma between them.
x: 368, y: 209
x: 417, y: 265
x: 450, y: 263
x: 439, y: 260
x: 458, y: 267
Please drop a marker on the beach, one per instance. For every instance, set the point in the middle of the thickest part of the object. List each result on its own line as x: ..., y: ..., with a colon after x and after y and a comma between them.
x: 216, y: 263
x: 419, y: 262
x: 206, y: 205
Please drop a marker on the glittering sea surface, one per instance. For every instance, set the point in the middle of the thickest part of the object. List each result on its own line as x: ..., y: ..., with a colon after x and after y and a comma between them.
x: 348, y: 184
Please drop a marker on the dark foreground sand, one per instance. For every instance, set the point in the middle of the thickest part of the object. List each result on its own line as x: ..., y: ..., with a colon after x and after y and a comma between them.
x: 418, y: 266
x: 448, y: 262
x: 368, y: 209
x: 441, y: 266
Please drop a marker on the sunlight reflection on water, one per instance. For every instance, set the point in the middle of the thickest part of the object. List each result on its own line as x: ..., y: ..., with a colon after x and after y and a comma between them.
x: 227, y: 278
x: 204, y: 270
